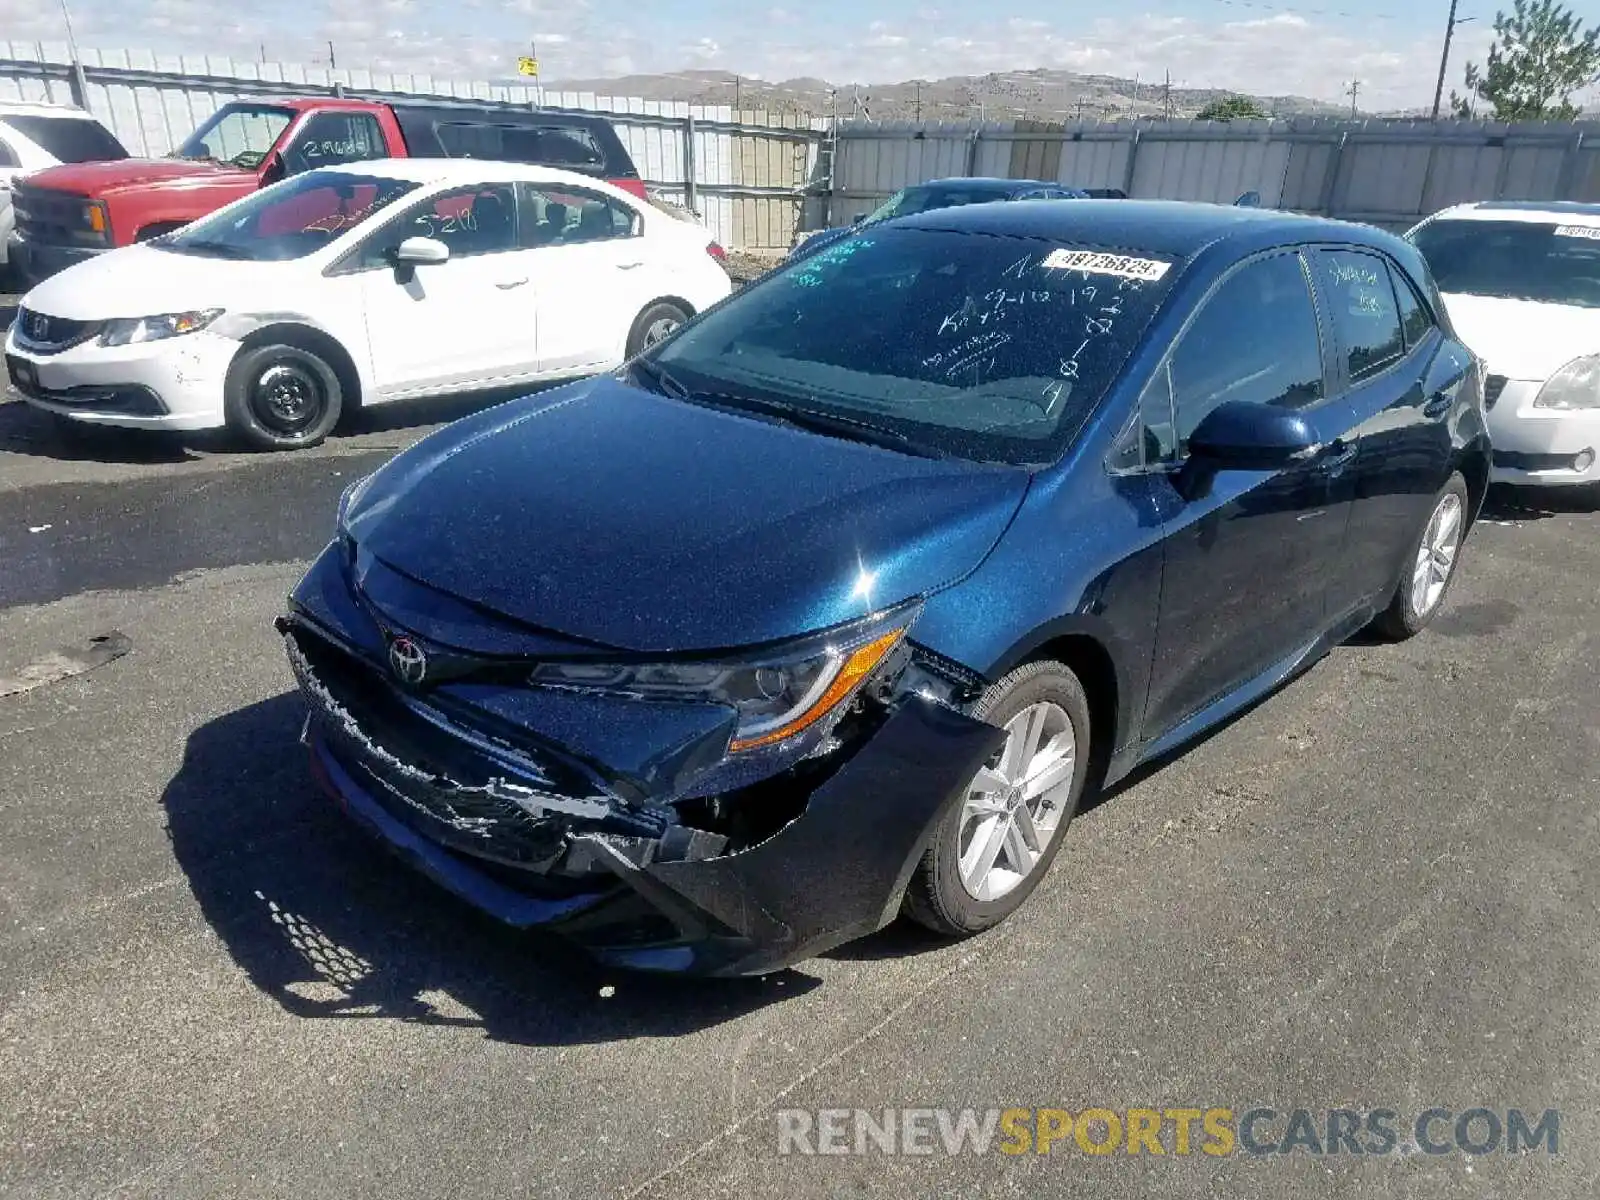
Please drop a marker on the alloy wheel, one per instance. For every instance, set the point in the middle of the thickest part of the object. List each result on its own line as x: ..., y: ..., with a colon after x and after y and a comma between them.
x: 1017, y: 803
x: 1436, y: 557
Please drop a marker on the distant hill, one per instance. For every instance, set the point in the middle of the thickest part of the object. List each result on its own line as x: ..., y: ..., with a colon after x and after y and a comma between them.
x: 1037, y: 94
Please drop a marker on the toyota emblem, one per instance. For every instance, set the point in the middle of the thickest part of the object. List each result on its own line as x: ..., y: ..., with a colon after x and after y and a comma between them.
x: 407, y: 661
x: 39, y: 327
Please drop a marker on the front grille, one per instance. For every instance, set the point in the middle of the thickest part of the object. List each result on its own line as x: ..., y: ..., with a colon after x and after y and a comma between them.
x: 1492, y: 387
x: 443, y: 785
x: 52, y: 218
x: 46, y: 334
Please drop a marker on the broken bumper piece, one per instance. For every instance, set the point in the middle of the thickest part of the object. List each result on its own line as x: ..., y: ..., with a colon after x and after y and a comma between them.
x: 542, y: 848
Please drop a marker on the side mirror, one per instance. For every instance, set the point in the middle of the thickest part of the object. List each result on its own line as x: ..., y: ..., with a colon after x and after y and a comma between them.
x: 1244, y: 436
x: 421, y: 252
x: 273, y: 169
x: 1248, y: 200
x: 858, y: 218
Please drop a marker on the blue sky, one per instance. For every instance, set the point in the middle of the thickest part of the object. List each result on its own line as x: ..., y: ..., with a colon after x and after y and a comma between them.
x: 1310, y: 48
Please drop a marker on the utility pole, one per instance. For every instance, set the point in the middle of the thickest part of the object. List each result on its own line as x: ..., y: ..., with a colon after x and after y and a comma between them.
x: 1166, y: 96
x: 80, y: 81
x: 1444, y: 58
x: 331, y: 63
x: 1353, y: 91
x: 919, y: 101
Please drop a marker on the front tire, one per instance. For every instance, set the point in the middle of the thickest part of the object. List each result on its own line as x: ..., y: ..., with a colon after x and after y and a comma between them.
x: 655, y: 323
x: 1430, y: 568
x: 282, y: 397
x: 989, y: 854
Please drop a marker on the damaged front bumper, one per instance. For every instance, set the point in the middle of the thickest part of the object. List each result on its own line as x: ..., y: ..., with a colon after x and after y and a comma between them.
x: 540, y: 840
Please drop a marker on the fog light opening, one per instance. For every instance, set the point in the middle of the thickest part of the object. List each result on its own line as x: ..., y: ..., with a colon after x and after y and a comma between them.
x: 1584, y: 461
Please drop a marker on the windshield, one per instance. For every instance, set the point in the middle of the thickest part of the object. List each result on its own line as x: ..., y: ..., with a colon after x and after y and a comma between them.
x: 239, y: 135
x: 68, y: 139
x: 925, y: 199
x: 1514, y: 260
x: 288, y: 220
x: 988, y: 347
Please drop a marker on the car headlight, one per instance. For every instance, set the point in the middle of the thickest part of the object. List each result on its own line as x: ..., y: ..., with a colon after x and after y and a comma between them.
x: 123, y: 331
x: 778, y: 695
x: 1576, y: 385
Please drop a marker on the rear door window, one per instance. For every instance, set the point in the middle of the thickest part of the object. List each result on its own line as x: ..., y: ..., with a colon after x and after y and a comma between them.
x: 8, y: 156
x: 555, y: 216
x: 1360, y: 299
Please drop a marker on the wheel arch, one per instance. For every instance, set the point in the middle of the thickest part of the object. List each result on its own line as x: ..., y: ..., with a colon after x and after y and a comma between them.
x: 1473, y: 463
x: 155, y: 229
x: 317, y: 341
x: 1091, y: 659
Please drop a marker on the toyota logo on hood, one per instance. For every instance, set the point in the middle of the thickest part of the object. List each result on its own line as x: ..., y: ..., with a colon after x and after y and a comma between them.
x: 407, y: 661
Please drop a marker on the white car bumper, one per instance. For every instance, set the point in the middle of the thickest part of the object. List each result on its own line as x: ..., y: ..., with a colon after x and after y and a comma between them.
x: 1541, y: 446
x: 175, y: 383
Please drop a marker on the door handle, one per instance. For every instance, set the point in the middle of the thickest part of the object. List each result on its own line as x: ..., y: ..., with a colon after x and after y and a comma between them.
x: 629, y: 266
x: 1340, y: 455
x: 1438, y: 404
x: 512, y: 283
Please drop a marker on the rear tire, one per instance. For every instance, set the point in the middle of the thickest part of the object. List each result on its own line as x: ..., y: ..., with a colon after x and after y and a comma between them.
x: 1430, y: 567
x: 282, y: 397
x: 654, y: 323
x: 953, y: 890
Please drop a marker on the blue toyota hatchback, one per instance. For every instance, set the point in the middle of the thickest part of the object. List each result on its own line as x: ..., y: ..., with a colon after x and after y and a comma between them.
x: 835, y: 604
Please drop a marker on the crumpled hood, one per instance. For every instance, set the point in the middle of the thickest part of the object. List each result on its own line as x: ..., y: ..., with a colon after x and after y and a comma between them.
x: 604, y: 512
x: 100, y: 179
x: 1524, y: 339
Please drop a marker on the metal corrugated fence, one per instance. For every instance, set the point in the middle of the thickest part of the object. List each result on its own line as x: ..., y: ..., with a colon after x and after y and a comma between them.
x: 748, y: 177
x: 1385, y: 172
x: 746, y: 182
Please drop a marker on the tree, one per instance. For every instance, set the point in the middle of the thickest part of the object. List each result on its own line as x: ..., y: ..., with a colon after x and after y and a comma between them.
x: 1232, y: 108
x: 1541, y: 55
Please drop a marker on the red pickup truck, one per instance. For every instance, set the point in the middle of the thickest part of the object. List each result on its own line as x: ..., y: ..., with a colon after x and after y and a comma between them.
x: 68, y: 213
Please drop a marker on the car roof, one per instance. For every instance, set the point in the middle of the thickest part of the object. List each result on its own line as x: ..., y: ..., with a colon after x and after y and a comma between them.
x: 461, y: 171
x: 1546, y: 212
x: 989, y: 182
x: 1172, y: 227
x: 39, y: 108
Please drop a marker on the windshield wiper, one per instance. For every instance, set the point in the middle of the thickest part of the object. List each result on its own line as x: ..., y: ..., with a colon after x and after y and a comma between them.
x: 214, y: 249
x: 659, y: 378
x: 829, y: 424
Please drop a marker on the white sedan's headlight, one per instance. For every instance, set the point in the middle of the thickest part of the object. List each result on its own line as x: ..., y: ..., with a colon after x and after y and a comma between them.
x: 1575, y: 386
x: 123, y: 331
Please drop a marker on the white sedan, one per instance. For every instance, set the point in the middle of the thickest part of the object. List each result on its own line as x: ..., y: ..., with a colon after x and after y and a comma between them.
x: 1521, y: 282
x: 357, y: 285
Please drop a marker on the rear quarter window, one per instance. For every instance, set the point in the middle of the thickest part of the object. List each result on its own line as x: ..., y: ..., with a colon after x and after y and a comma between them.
x: 540, y: 145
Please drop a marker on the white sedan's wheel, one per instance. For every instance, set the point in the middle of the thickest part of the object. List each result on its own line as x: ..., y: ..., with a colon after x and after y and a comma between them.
x: 654, y: 325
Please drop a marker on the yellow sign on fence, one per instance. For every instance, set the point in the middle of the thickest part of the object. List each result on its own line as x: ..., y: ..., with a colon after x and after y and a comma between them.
x: 528, y: 66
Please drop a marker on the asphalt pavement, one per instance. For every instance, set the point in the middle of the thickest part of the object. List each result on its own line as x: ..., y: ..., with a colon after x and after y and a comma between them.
x: 1376, y: 890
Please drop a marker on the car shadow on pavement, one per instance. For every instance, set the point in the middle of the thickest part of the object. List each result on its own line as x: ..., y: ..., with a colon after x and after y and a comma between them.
x: 327, y: 923
x: 25, y: 430
x: 1507, y: 503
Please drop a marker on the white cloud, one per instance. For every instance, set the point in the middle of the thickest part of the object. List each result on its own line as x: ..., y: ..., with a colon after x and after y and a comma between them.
x: 1268, y: 53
